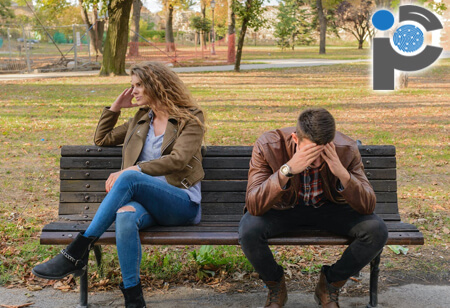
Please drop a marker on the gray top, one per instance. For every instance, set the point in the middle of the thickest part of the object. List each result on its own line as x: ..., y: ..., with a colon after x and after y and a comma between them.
x: 152, y: 150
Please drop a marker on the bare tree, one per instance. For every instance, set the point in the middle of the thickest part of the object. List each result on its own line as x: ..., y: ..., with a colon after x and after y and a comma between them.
x: 355, y: 19
x: 97, y: 27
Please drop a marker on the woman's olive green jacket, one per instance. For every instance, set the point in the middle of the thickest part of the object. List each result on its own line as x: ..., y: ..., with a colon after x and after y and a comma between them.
x: 181, y: 158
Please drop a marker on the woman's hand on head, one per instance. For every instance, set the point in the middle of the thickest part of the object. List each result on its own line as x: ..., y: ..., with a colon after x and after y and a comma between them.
x: 123, y: 100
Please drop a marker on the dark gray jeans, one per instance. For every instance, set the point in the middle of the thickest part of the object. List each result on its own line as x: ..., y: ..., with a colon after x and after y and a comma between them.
x: 369, y: 233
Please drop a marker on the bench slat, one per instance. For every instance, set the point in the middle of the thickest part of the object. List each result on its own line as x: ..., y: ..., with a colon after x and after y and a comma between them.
x: 220, y: 226
x: 207, y: 218
x: 208, y: 162
x: 91, y: 150
x: 210, y: 174
x: 229, y: 238
x: 217, y: 186
x: 227, y: 196
x: 207, y: 208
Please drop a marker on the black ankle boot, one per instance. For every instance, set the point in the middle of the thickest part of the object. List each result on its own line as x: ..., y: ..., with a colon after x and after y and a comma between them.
x: 133, y: 296
x: 72, y: 260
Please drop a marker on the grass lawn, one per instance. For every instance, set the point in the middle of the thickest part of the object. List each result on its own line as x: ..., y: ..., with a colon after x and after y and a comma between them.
x: 37, y: 117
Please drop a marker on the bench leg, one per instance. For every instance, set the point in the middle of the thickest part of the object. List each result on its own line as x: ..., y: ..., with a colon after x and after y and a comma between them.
x: 98, y: 258
x: 84, y: 290
x: 374, y: 272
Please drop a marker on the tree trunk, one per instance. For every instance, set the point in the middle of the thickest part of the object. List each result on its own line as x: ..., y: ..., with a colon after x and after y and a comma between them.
x: 293, y: 41
x: 170, y: 41
x: 99, y: 31
x: 401, y: 78
x: 116, y: 38
x: 231, y: 53
x: 323, y: 26
x: 401, y: 81
x: 203, y: 34
x: 95, y: 45
x: 134, y: 44
x: 360, y: 44
x: 237, y: 65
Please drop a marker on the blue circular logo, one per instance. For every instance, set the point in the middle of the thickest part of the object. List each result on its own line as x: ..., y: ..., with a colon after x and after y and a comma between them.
x: 383, y: 20
x: 408, y: 38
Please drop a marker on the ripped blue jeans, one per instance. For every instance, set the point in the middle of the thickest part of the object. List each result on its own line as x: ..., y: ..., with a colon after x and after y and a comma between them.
x: 148, y: 201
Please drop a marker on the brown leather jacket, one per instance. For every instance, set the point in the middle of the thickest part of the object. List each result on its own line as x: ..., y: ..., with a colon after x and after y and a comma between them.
x: 181, y: 158
x: 275, y: 148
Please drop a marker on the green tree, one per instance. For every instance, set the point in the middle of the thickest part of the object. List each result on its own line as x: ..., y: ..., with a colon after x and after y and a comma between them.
x: 250, y: 13
x: 6, y: 13
x: 200, y: 25
x: 324, y: 17
x: 292, y: 25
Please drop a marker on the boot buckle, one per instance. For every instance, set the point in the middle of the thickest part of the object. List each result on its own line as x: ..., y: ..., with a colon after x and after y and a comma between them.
x: 73, y: 260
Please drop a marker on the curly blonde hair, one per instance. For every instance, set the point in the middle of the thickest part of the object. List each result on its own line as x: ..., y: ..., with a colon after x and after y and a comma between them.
x: 166, y: 90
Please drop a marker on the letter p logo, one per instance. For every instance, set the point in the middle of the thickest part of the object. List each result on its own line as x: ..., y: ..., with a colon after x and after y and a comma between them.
x: 406, y: 39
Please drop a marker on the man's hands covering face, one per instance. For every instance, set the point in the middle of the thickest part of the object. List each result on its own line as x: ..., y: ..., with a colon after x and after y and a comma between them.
x: 330, y: 156
x: 307, y: 154
x: 304, y: 157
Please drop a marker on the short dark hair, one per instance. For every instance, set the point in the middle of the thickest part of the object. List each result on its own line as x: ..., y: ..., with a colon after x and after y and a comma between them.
x: 317, y: 125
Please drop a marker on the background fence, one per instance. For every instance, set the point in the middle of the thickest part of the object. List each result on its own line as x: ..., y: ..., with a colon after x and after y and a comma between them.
x: 28, y: 49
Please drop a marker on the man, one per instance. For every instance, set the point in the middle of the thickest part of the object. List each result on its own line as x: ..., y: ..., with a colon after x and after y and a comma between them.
x: 309, y: 175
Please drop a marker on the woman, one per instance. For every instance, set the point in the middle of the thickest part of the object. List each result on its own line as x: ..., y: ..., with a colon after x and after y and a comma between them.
x: 159, y: 183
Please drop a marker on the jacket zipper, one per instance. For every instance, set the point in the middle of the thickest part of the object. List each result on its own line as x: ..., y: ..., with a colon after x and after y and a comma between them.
x: 195, y: 157
x: 169, y: 143
x: 128, y: 140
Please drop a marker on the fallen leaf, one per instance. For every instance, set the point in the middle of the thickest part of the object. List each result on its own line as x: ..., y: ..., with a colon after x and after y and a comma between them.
x: 397, y: 249
x: 17, y: 306
x: 34, y: 288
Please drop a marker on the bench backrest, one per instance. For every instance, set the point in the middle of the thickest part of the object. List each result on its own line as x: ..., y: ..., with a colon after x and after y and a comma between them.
x: 84, y: 170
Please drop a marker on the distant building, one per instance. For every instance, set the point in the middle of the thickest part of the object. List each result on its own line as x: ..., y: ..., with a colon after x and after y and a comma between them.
x: 265, y: 35
x: 150, y: 17
x: 22, y: 9
x: 181, y: 21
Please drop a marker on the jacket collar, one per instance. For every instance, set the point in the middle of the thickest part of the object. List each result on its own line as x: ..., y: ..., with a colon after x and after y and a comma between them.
x: 147, y: 116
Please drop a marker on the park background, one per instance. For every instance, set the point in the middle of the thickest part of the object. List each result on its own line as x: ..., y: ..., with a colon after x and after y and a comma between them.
x: 39, y: 116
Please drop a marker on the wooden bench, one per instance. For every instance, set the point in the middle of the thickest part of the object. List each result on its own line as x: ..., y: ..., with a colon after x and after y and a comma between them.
x: 84, y: 170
